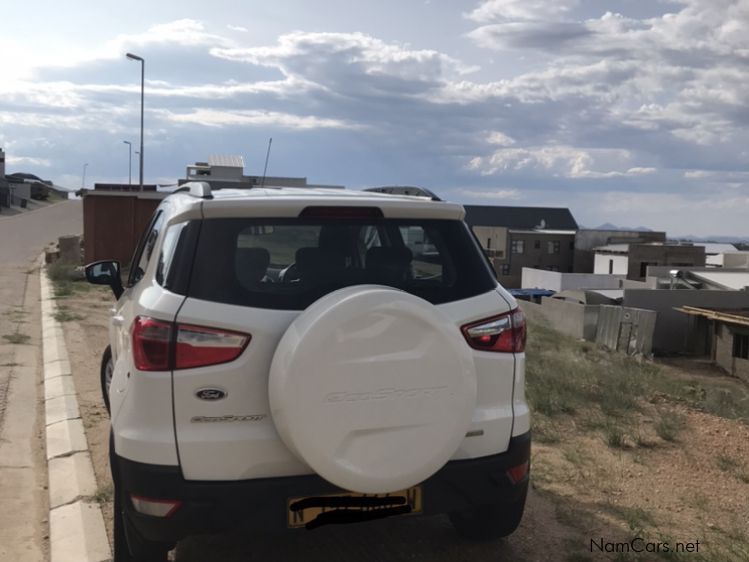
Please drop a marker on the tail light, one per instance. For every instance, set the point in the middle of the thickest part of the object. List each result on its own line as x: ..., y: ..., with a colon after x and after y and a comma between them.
x: 195, y: 346
x: 198, y: 346
x: 151, y: 341
x: 504, y: 333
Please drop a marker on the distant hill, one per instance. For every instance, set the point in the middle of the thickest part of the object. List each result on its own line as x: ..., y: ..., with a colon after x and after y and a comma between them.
x: 715, y: 239
x: 609, y: 226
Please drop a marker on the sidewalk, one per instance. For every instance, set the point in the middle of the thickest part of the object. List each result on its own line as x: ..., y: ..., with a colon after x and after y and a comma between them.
x: 77, y: 532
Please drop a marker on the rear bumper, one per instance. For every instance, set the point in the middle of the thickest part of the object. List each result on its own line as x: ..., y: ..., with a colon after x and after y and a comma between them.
x: 262, y: 503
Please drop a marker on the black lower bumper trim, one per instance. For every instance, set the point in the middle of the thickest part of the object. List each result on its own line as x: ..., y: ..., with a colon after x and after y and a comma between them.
x: 262, y: 503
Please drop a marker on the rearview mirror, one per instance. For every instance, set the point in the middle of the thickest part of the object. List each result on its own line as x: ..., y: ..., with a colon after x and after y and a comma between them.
x: 105, y: 272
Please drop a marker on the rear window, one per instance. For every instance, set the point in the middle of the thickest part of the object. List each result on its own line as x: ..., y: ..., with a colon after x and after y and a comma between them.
x: 290, y: 263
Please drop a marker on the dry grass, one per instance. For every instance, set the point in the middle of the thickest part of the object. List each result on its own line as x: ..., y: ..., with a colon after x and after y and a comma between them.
x: 67, y: 278
x: 602, y: 420
x: 611, y: 393
x: 16, y: 338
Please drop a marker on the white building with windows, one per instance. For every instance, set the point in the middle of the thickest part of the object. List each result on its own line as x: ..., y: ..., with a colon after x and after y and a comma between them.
x: 227, y: 170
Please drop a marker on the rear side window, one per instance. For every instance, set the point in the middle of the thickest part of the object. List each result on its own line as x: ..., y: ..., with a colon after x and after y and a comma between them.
x: 168, y: 247
x: 145, y: 249
x: 290, y: 263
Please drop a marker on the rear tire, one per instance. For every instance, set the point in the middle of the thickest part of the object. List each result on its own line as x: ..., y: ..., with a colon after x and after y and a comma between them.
x: 106, y: 375
x: 489, y: 521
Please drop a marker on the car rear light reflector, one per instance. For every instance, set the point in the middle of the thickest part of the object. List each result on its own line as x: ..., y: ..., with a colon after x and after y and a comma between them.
x: 503, y: 333
x: 151, y: 341
x: 154, y: 507
x: 518, y: 473
x: 198, y: 346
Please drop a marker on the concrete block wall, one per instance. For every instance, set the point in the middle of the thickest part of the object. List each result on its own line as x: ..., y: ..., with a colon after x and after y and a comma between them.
x: 741, y: 369
x: 736, y: 260
x: 19, y: 192
x: 668, y: 255
x: 723, y: 347
x: 602, y: 324
x: 558, y: 281
x: 576, y: 320
x: 724, y: 354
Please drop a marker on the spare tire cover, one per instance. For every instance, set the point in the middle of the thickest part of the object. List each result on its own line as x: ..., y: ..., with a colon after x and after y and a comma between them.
x: 373, y: 388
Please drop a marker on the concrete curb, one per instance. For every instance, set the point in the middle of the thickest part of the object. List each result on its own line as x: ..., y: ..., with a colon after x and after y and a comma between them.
x: 77, y: 532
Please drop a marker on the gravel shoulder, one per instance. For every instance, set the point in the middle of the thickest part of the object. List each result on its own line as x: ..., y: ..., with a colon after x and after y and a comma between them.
x: 691, y: 486
x: 23, y: 476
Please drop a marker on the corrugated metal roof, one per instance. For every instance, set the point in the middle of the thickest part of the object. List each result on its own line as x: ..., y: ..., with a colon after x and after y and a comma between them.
x: 228, y: 160
x: 554, y: 218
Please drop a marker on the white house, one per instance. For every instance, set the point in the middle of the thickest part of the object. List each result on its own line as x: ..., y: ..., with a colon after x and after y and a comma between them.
x: 612, y: 259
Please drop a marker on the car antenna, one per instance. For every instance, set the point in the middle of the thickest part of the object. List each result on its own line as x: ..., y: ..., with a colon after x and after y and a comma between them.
x: 267, y: 157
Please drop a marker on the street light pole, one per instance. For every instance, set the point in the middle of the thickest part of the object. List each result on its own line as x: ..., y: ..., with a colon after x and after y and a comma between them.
x: 129, y: 162
x: 83, y: 177
x: 131, y: 56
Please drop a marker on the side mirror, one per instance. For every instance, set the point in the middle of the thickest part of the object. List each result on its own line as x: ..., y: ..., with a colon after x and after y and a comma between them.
x: 106, y: 272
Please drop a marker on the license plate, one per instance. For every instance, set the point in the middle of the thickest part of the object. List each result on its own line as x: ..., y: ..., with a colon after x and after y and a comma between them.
x: 302, y: 510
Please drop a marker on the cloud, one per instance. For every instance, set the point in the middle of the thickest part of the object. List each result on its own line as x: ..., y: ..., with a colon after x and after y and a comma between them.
x: 27, y: 160
x: 668, y: 90
x: 185, y: 32
x: 500, y: 139
x: 585, y: 104
x: 560, y: 160
x: 352, y: 63
x: 494, y: 194
x: 492, y: 10
x: 703, y: 212
x: 214, y: 118
x: 237, y: 28
x: 529, y: 34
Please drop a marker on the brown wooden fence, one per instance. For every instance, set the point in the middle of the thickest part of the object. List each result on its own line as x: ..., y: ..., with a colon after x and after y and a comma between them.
x: 113, y: 222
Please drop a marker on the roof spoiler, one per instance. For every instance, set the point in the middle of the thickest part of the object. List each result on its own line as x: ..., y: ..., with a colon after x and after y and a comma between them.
x: 406, y: 190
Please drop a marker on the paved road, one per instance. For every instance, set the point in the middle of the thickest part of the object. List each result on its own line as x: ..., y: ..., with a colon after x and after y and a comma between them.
x: 22, y: 466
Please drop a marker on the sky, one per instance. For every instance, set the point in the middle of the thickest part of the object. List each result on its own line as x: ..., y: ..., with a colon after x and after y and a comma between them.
x: 630, y: 112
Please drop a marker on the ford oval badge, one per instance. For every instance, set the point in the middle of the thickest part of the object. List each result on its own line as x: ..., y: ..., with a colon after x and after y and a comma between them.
x: 211, y: 394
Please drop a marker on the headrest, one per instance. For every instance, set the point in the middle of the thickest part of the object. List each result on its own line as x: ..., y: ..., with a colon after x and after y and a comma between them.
x: 251, y: 264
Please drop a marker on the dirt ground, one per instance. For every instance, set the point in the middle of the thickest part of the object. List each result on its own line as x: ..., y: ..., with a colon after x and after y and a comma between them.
x: 688, y: 492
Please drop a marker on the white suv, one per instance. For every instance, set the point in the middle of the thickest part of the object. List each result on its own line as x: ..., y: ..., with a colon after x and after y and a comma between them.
x: 297, y: 357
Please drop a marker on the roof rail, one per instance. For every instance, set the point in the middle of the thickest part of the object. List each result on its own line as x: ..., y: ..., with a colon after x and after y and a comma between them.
x: 405, y: 190
x: 199, y: 189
